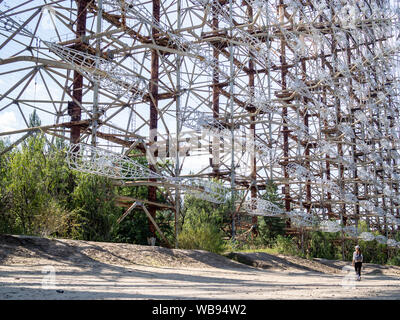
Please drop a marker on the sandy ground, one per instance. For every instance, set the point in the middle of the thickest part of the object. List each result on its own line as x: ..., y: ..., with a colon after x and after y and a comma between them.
x: 38, y: 268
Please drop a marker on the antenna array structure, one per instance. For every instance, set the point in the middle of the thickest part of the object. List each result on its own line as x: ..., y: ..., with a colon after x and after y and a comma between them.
x: 301, y: 93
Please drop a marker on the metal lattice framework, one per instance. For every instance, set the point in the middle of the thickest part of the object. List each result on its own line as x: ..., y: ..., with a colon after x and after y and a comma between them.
x: 104, y: 72
x: 301, y: 93
x: 102, y: 162
x: 90, y: 159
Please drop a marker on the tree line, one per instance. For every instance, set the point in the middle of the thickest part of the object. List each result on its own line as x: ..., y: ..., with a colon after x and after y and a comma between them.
x: 40, y: 195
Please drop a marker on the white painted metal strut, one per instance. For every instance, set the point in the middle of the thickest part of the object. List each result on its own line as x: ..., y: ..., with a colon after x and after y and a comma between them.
x: 94, y: 160
x: 110, y: 76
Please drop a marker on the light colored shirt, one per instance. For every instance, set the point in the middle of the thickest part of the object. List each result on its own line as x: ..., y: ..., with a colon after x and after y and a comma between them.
x: 357, y: 257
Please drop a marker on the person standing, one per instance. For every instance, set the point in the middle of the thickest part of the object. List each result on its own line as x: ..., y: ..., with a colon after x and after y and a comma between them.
x: 357, y: 262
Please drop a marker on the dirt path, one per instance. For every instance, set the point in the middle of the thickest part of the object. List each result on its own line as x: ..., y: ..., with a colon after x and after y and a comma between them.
x: 92, y: 270
x: 279, y: 262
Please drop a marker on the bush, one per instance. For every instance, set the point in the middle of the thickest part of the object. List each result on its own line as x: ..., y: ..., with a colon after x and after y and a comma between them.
x: 25, y: 187
x: 53, y: 220
x: 394, y: 261
x: 201, y: 228
x: 206, y: 236
x: 93, y: 200
x: 269, y: 228
x: 34, y: 184
x: 133, y: 229
x: 286, y: 245
x: 202, y: 223
x: 321, y: 245
x: 373, y: 251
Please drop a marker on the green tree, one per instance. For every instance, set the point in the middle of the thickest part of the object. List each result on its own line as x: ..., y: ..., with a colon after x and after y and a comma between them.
x: 36, y: 185
x: 41, y: 195
x: 133, y: 229
x: 93, y: 200
x: 286, y: 245
x: 6, y: 220
x: 34, y: 120
x: 270, y: 228
x: 25, y: 176
x: 202, y: 223
x: 199, y: 232
x: 321, y: 245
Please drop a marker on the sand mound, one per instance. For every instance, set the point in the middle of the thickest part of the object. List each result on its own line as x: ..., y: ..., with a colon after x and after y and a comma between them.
x: 29, y: 250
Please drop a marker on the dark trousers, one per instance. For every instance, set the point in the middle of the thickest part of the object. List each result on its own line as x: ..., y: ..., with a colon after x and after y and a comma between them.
x: 357, y: 267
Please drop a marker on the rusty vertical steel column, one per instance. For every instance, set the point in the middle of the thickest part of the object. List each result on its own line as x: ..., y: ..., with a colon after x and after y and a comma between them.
x: 153, y: 88
x: 95, y: 109
x: 231, y: 104
x: 215, y: 97
x: 253, y: 174
x: 74, y: 108
x: 307, y: 147
x: 285, y: 130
